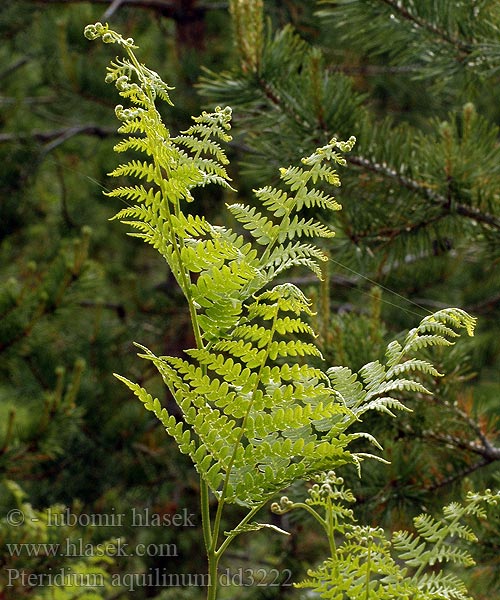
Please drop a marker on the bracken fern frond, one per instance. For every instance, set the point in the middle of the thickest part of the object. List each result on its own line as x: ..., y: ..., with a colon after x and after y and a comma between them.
x: 255, y: 415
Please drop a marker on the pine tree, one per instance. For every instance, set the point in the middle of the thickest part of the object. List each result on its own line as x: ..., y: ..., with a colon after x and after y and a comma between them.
x: 414, y: 81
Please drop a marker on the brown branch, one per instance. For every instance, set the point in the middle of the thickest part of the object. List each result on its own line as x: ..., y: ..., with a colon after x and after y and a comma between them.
x: 14, y: 66
x: 484, y: 305
x: 373, y: 70
x: 490, y: 451
x: 438, y: 199
x: 9, y: 100
x: 166, y: 7
x: 162, y: 5
x: 421, y: 23
x: 458, y: 475
x: 114, y: 6
x: 55, y: 137
x: 485, y: 449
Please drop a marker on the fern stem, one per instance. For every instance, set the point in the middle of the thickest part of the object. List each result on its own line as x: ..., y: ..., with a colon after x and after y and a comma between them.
x: 330, y: 526
x: 185, y: 284
x: 368, y: 571
x: 214, y: 555
x: 185, y: 281
x: 325, y: 318
x: 244, y: 521
x: 311, y: 511
x: 213, y: 581
x: 218, y: 515
x: 205, y: 514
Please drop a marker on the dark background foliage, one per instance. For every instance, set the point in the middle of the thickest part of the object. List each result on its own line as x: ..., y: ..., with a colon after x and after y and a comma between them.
x: 419, y: 230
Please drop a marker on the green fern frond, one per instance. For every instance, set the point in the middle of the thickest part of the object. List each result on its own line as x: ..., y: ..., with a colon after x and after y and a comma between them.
x: 347, y: 386
x: 414, y: 365
x: 191, y: 225
x: 219, y: 412
x: 297, y: 177
x: 201, y: 255
x: 260, y: 227
x: 442, y: 325
x: 136, y: 168
x: 410, y: 548
x: 300, y: 227
x: 292, y: 348
x: 287, y: 325
x: 136, y: 193
x: 276, y: 201
x: 205, y: 146
x: 433, y: 541
x: 273, y: 230
x: 286, y: 297
x: 365, y: 564
x: 248, y: 527
x: 173, y: 428
x: 376, y: 386
x: 397, y: 385
x: 283, y: 258
x: 394, y: 354
x: 383, y: 404
x: 199, y: 141
x: 255, y: 417
x: 133, y: 143
x: 443, y: 585
x: 373, y: 374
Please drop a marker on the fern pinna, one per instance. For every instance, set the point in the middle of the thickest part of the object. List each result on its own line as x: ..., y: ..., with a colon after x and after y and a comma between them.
x: 255, y: 415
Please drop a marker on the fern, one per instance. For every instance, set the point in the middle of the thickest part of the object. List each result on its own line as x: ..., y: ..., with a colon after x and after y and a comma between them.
x: 256, y: 416
x: 365, y: 564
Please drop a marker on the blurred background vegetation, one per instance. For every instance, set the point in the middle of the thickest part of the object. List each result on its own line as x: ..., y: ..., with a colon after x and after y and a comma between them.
x: 416, y: 83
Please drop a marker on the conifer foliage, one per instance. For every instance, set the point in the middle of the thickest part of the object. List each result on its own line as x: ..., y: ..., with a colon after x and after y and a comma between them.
x: 257, y: 414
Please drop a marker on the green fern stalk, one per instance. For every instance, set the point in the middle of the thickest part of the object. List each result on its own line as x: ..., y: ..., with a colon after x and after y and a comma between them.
x: 255, y: 415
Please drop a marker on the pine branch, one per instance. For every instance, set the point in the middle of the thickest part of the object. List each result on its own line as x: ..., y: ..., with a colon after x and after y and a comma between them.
x: 372, y: 70
x: 443, y: 202
x: 119, y: 309
x: 485, y: 305
x: 458, y: 476
x: 486, y: 450
x: 421, y: 23
x: 10, y: 100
